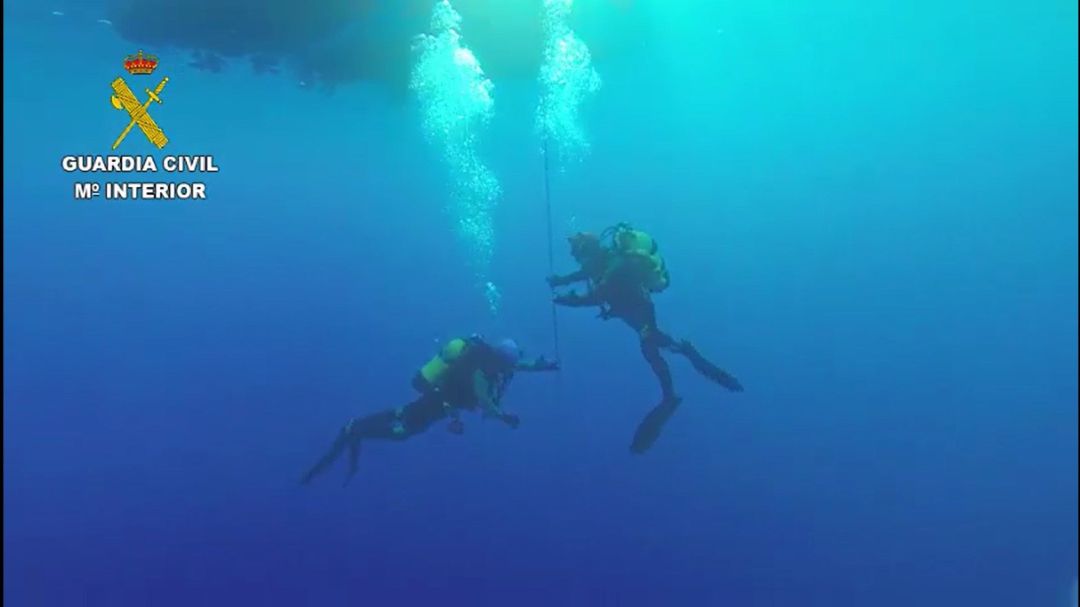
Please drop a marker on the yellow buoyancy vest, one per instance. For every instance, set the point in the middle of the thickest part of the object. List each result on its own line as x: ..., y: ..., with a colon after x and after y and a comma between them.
x: 639, y: 248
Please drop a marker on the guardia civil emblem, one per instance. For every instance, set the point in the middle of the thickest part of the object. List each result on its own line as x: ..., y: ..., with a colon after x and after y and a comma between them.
x: 124, y: 99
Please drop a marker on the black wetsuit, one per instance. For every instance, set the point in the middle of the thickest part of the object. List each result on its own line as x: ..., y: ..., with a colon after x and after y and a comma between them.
x: 621, y: 295
x: 457, y: 392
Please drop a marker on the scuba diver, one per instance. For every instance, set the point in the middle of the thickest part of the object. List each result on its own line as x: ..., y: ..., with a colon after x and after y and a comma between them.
x: 623, y: 268
x: 466, y: 375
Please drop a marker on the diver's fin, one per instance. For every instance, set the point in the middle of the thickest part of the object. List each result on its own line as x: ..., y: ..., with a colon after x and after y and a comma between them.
x: 649, y: 428
x: 708, y: 369
x: 327, y: 459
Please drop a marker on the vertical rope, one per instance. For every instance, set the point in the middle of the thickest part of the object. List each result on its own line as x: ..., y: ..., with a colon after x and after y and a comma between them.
x: 551, y: 250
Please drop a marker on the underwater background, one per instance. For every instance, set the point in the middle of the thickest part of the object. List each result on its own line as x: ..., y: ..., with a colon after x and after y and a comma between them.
x: 868, y: 211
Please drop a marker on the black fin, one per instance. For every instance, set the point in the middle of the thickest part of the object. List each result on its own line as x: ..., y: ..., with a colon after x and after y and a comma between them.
x: 327, y: 459
x: 649, y: 429
x: 708, y: 369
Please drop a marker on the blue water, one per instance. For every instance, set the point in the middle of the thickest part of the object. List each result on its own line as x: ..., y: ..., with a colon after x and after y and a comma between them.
x: 869, y: 212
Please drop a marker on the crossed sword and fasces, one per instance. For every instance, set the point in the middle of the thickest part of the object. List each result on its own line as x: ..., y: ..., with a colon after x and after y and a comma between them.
x: 124, y: 99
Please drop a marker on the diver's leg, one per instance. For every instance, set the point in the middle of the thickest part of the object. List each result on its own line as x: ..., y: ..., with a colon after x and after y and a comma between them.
x: 375, y: 426
x: 398, y: 424
x: 401, y: 423
x: 650, y: 427
x: 419, y: 415
x: 664, y: 340
x: 647, y: 312
x: 650, y: 348
x: 393, y: 424
x: 640, y: 313
x: 706, y: 367
x: 643, y: 320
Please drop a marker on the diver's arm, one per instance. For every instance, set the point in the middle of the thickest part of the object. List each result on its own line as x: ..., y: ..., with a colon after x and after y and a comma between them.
x: 560, y: 281
x: 540, y: 364
x: 576, y: 300
x: 490, y: 408
x: 482, y: 389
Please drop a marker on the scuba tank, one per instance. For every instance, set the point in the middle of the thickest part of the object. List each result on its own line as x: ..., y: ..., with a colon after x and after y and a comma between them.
x: 642, y: 252
x: 431, y: 375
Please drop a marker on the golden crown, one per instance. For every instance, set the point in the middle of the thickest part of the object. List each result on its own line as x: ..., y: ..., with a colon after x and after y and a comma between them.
x: 140, y: 64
